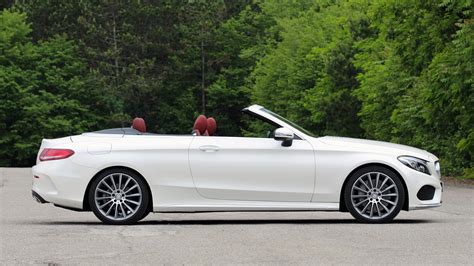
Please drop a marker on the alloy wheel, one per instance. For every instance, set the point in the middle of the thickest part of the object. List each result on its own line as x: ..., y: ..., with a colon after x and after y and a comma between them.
x: 118, y: 196
x: 374, y: 195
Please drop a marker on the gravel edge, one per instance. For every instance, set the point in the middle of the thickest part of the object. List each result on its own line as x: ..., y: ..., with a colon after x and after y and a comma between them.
x: 458, y: 182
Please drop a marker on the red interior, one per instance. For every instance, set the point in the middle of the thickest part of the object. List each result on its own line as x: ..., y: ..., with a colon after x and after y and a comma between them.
x: 139, y: 124
x: 200, y: 125
x: 211, y: 126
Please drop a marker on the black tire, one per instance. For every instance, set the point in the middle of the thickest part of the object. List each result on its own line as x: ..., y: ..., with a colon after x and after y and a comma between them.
x: 357, y: 202
x: 140, y: 210
x: 145, y: 214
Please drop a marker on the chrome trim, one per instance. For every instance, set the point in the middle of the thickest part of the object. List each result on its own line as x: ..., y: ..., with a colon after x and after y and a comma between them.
x: 425, y: 206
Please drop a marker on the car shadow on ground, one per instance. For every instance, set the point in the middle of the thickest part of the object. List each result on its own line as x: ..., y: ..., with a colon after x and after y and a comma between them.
x: 238, y: 222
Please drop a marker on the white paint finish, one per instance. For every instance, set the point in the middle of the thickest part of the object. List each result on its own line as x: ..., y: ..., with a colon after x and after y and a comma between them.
x: 337, y: 157
x: 227, y: 173
x: 238, y: 168
x: 62, y: 182
x: 162, y: 160
x: 376, y: 146
x: 202, y: 206
x: 99, y: 148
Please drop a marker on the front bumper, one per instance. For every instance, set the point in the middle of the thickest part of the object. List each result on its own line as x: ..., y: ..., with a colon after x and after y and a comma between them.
x: 425, y: 206
x: 415, y: 181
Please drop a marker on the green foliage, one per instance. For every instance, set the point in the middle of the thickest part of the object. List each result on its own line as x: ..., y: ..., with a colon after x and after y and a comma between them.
x: 416, y: 81
x: 45, y: 88
x: 441, y: 104
x: 390, y: 70
x: 243, y: 39
x: 309, y: 76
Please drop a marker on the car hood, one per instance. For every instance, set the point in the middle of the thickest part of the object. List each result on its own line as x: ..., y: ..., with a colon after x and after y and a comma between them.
x: 378, y: 146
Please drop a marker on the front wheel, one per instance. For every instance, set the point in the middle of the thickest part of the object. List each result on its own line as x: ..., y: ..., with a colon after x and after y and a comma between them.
x: 374, y: 195
x: 119, y: 196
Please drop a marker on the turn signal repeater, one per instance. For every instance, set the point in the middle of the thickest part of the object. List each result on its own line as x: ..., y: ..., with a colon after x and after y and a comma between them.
x: 55, y: 154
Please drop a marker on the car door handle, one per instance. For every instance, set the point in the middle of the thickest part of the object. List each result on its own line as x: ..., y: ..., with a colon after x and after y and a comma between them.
x: 209, y: 148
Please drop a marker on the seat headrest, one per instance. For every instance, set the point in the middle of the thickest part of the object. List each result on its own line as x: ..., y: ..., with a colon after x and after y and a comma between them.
x: 139, y: 124
x: 200, y: 125
x: 211, y: 126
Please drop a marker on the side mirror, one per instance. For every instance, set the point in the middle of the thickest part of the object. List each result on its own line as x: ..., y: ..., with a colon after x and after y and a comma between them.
x: 285, y: 135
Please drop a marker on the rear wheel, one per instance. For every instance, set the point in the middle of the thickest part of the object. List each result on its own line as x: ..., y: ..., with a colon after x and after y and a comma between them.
x: 119, y: 196
x: 374, y: 195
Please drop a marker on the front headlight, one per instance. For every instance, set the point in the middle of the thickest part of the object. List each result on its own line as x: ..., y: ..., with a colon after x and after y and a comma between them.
x: 438, y: 168
x: 415, y: 163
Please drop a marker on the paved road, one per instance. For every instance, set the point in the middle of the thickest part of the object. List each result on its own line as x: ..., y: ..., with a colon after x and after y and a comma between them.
x: 42, y: 234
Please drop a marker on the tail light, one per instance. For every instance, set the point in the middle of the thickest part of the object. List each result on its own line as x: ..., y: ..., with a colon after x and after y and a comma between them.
x: 55, y: 154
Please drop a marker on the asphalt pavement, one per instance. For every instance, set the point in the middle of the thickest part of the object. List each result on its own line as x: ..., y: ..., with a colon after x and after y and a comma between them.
x: 33, y: 233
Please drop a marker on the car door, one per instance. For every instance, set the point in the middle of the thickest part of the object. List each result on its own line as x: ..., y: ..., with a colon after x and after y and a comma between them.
x: 252, y: 169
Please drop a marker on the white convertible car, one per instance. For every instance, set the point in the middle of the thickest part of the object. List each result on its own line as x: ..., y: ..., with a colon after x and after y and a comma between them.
x: 125, y: 173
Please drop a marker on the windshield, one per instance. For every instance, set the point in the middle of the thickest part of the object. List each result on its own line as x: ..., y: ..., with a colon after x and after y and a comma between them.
x: 289, y: 123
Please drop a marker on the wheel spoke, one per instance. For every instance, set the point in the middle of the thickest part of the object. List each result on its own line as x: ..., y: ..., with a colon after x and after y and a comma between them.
x: 390, y: 195
x: 134, y: 186
x: 113, y: 181
x: 365, y: 208
x: 385, y: 207
x: 120, y: 181
x: 128, y: 207
x: 389, y: 187
x: 362, y: 181
x: 102, y: 198
x: 132, y: 201
x: 378, y: 210
x: 123, y: 211
x: 360, y: 203
x: 103, y: 191
x: 371, y: 210
x: 370, y: 181
x: 126, y: 183
x: 359, y: 196
x: 383, y: 182
x: 134, y: 195
x: 116, y: 211
x: 377, y: 180
x: 107, y: 185
x: 361, y: 190
x: 389, y: 201
x: 108, y: 211
x: 101, y: 206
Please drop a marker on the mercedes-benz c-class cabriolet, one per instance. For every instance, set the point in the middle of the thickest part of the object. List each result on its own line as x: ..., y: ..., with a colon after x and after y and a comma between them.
x: 123, y: 174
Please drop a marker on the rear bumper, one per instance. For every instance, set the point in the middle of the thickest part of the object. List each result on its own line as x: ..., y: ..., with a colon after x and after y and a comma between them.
x: 37, y: 197
x: 61, y: 182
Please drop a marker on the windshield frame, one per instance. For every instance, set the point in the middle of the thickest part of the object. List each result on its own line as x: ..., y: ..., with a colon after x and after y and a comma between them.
x: 290, y: 123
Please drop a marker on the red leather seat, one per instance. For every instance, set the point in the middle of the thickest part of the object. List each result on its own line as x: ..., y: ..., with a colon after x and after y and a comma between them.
x: 200, y: 125
x: 211, y: 126
x: 139, y: 124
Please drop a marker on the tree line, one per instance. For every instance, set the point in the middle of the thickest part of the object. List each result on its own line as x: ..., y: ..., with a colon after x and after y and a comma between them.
x: 389, y: 70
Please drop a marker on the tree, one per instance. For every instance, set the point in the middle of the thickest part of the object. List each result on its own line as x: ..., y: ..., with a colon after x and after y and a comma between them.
x: 390, y: 70
x: 309, y: 76
x: 416, y: 85
x: 240, y: 42
x: 440, y: 107
x: 45, y: 88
